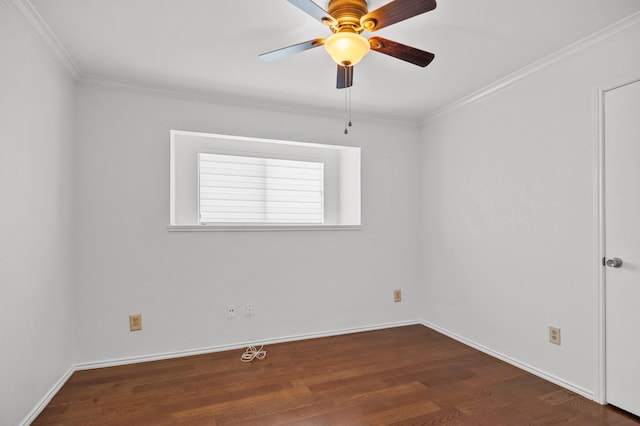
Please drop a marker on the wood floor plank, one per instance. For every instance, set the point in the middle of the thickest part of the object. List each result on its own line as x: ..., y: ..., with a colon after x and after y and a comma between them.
x: 402, y: 376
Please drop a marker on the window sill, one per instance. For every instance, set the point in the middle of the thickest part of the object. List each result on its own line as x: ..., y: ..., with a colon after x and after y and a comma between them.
x: 227, y: 228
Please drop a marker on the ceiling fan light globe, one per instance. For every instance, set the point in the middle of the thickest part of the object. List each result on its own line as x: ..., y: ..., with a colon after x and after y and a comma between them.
x: 347, y: 48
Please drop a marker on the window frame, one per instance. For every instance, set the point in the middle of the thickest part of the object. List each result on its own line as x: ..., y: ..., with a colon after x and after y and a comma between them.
x: 342, y: 165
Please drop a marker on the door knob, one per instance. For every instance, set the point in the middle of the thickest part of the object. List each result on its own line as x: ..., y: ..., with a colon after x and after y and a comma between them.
x: 616, y: 262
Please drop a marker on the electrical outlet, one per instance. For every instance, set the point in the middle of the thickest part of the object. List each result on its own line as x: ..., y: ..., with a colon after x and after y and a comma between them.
x: 248, y: 310
x: 397, y: 296
x: 135, y: 322
x: 231, y: 311
x: 554, y: 335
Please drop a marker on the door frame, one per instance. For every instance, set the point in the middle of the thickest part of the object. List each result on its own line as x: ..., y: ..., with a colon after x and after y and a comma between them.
x: 600, y: 350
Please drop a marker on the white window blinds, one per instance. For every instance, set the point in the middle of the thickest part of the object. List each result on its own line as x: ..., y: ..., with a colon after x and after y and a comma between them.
x: 235, y: 189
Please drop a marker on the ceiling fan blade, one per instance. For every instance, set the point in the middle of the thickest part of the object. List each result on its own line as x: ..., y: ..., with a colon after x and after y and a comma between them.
x: 345, y: 77
x: 401, y: 51
x: 315, y: 11
x: 290, y: 50
x: 395, y: 11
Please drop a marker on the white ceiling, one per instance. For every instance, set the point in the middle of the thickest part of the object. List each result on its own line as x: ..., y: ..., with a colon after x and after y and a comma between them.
x: 212, y: 46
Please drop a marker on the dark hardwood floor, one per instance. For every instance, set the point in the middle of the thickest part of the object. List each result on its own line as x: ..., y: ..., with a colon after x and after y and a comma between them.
x: 405, y: 376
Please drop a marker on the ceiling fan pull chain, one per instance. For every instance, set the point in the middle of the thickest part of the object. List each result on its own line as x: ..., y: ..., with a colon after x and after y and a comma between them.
x: 346, y: 113
x: 347, y: 110
x: 346, y: 105
x: 350, y: 107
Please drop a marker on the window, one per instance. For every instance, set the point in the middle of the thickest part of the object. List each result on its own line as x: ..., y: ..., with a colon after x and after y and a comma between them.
x: 220, y: 182
x: 259, y: 190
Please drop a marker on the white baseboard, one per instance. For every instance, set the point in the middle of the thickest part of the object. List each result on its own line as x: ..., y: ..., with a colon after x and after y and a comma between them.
x: 47, y: 398
x: 234, y: 346
x: 536, y: 372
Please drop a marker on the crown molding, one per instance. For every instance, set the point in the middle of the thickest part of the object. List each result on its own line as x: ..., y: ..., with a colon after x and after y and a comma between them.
x: 29, y: 16
x: 630, y: 23
x: 229, y: 99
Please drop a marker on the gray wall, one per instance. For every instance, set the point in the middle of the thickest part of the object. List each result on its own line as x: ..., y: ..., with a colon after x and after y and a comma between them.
x: 508, y: 210
x: 299, y: 282
x: 36, y: 211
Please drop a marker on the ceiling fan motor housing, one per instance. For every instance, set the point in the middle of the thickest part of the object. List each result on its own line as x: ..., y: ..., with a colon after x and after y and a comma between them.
x: 348, y: 14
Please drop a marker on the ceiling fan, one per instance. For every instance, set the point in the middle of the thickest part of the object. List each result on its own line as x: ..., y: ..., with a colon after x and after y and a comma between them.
x: 347, y: 20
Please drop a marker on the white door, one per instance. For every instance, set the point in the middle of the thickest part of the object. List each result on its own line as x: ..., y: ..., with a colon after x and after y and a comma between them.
x: 622, y: 241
